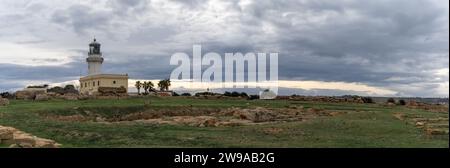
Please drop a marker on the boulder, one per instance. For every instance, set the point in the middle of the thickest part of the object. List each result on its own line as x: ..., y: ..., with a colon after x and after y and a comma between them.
x: 412, y: 103
x: 199, y: 121
x: 435, y: 131
x: 41, y: 97
x: 4, y: 102
x: 18, y: 139
x: 6, y: 133
x: 83, y: 97
x: 420, y: 124
x: 258, y: 114
x: 209, y: 121
x: 28, y: 94
x: 45, y: 143
x: 70, y: 96
x: 24, y: 139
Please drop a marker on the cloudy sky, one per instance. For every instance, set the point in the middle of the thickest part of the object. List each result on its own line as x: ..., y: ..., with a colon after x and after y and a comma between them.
x: 382, y: 47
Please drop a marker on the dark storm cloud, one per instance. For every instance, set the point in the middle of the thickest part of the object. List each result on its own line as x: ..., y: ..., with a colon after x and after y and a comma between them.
x: 16, y: 76
x: 377, y: 33
x: 398, y: 45
x: 81, y: 18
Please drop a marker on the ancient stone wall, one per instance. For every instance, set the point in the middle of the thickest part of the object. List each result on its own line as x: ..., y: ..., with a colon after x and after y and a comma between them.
x: 16, y: 138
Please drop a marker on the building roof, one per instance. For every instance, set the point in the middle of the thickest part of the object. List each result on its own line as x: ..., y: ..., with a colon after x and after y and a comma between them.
x: 115, y: 76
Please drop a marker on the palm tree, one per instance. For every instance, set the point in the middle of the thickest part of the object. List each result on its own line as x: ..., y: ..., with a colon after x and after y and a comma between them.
x: 164, y: 84
x: 161, y: 85
x: 145, y: 86
x: 138, y: 86
x: 167, y: 84
x: 150, y: 86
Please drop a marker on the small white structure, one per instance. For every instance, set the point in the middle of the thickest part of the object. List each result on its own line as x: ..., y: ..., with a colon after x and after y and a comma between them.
x: 267, y: 95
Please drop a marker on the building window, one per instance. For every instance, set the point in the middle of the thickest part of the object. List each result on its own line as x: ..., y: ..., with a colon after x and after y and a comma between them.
x: 98, y: 83
x: 93, y: 83
x: 114, y: 82
x: 85, y: 84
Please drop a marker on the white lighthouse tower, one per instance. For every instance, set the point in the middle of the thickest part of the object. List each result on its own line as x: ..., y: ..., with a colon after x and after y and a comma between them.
x: 96, y: 80
x: 95, y: 58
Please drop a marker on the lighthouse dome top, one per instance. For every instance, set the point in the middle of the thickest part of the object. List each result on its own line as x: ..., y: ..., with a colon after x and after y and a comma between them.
x: 94, y: 47
x: 94, y: 42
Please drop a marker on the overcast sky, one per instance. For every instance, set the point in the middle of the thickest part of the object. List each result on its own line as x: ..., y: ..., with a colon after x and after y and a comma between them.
x: 382, y: 47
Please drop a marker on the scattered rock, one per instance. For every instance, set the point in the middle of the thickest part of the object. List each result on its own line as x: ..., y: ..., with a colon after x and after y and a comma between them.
x: 18, y: 139
x: 41, y: 97
x: 199, y: 121
x: 399, y: 116
x: 27, y: 94
x: 420, y: 124
x: 70, y: 96
x: 6, y: 133
x: 412, y: 103
x: 4, y: 101
x: 24, y: 140
x: 69, y: 118
x: 436, y: 131
x: 83, y: 97
x: 45, y: 143
x: 258, y: 114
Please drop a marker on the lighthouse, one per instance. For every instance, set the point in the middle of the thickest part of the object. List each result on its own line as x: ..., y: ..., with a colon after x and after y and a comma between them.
x: 95, y: 58
x: 97, y: 80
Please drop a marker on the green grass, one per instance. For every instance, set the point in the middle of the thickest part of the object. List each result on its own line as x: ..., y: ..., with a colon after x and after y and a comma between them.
x: 365, y: 125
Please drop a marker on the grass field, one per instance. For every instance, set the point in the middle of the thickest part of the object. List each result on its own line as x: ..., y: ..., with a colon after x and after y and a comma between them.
x: 363, y: 125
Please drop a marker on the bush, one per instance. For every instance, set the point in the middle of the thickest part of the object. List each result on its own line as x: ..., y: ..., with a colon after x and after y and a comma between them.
x: 6, y: 95
x: 38, y: 86
x: 175, y: 94
x: 367, y: 100
x: 70, y: 89
x: 186, y: 94
x: 227, y: 94
x: 65, y: 90
x: 253, y: 97
x: 243, y: 94
x: 402, y: 102
x: 205, y: 94
x: 391, y: 100
x: 56, y: 89
x: 235, y: 94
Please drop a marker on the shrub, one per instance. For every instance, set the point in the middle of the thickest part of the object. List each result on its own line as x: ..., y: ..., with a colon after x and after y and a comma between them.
x: 243, y: 94
x: 367, y: 99
x: 391, y: 100
x: 6, y: 95
x: 253, y: 97
x: 227, y: 93
x: 235, y: 94
x: 38, y: 86
x: 56, y: 89
x: 66, y: 89
x: 402, y: 102
x: 186, y: 94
